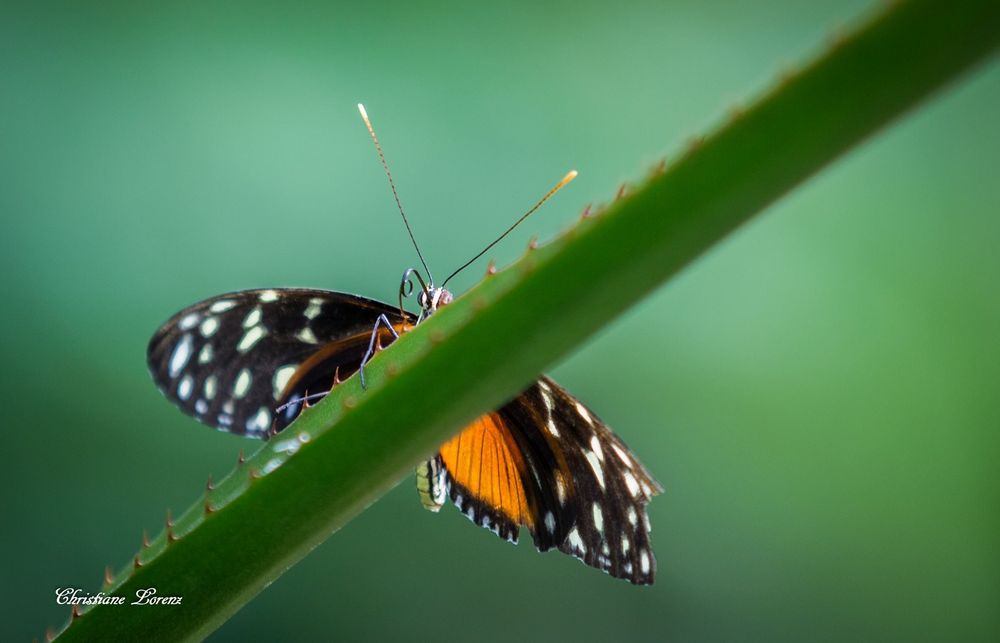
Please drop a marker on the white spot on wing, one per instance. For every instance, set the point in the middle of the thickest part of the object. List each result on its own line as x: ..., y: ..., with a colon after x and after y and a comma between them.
x: 582, y: 410
x: 595, y: 444
x: 550, y: 522
x: 595, y: 464
x: 313, y: 309
x: 560, y: 489
x: 625, y: 545
x: 222, y: 305
x: 188, y: 321
x: 251, y: 337
x: 260, y: 421
x: 242, y: 384
x: 622, y: 455
x: 551, y: 426
x: 546, y: 397
x: 598, y: 518
x: 632, y: 518
x: 252, y: 318
x: 201, y: 407
x: 180, y: 356
x: 644, y: 562
x: 575, y: 542
x: 267, y: 296
x: 209, y: 326
x: 210, y: 385
x: 205, y: 354
x: 630, y: 482
x: 306, y: 335
x: 184, y: 388
x: 281, y: 377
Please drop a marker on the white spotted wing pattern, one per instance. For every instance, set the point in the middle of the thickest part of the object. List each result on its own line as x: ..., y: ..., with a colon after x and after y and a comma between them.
x: 231, y: 361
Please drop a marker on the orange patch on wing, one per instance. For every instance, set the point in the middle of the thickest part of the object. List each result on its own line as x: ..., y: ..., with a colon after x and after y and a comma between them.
x: 484, y: 459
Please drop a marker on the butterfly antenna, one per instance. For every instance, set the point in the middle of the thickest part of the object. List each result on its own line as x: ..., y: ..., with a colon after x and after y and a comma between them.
x: 392, y: 185
x: 560, y: 185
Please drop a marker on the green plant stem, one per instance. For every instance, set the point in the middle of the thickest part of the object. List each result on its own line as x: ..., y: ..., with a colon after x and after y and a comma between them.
x: 487, y: 345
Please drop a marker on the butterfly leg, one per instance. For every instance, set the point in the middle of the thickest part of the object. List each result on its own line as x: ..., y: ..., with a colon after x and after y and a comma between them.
x: 381, y: 321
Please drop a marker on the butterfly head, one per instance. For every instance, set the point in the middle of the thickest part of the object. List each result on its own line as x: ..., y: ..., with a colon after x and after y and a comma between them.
x: 431, y: 298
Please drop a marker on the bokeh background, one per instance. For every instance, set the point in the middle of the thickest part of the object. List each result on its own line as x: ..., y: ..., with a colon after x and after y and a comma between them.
x: 818, y: 394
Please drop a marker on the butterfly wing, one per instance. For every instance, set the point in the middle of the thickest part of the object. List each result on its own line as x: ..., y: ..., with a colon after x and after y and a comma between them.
x: 231, y: 361
x: 483, y: 469
x: 545, y: 461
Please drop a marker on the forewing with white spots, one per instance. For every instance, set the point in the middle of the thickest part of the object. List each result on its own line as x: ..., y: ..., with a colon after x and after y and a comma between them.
x: 231, y: 361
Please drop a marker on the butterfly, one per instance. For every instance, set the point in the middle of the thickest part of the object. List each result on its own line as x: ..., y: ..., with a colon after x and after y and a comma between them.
x: 250, y: 362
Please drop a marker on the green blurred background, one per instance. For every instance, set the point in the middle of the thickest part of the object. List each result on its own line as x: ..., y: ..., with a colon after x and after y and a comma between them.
x: 818, y: 394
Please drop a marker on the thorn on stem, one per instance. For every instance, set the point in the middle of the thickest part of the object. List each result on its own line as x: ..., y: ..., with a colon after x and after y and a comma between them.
x: 108, y: 577
x: 491, y: 268
x: 145, y: 539
x: 170, y: 528
x: 242, y: 458
x: 74, y: 612
x: 136, y: 563
x: 208, y: 485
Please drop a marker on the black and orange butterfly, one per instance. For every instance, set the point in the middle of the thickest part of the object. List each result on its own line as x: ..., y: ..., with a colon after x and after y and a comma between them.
x: 249, y: 362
